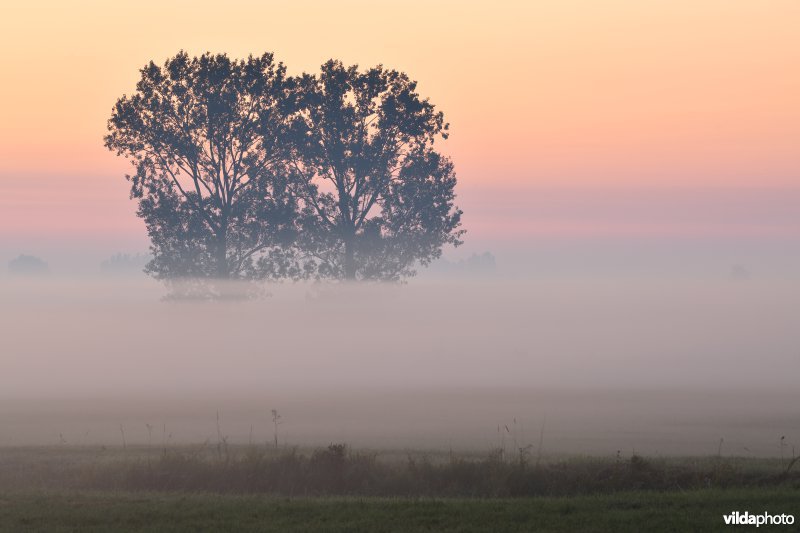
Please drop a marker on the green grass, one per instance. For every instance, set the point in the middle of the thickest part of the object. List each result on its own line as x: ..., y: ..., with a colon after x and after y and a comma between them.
x: 169, y: 512
x: 206, y: 488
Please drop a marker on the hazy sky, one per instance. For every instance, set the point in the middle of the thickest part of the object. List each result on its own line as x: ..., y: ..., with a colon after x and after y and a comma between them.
x: 561, y: 102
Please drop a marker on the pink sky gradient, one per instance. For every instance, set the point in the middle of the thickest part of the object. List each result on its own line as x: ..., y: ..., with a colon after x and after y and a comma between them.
x: 568, y: 117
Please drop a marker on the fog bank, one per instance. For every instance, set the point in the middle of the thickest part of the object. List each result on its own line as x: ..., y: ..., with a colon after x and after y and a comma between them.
x: 678, y: 363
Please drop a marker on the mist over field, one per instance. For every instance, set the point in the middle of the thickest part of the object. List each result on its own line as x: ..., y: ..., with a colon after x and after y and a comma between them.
x: 658, y: 364
x: 352, y: 266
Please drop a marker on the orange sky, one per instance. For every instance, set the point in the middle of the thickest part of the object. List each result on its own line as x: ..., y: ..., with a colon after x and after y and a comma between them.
x: 555, y: 93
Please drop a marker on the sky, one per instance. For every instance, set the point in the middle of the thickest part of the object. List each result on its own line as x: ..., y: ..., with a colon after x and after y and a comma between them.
x: 570, y: 119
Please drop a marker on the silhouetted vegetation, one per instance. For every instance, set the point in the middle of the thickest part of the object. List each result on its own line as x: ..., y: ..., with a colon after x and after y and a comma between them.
x: 28, y: 265
x: 337, y: 470
x: 125, y: 264
x: 204, y: 137
x: 484, y: 265
x: 377, y: 197
x: 243, y: 172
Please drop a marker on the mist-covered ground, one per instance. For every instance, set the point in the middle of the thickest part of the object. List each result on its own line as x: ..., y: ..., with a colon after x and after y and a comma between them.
x: 652, y: 365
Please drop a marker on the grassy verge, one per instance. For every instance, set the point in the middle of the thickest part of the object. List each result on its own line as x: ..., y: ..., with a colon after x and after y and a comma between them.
x: 337, y: 471
x: 165, y: 512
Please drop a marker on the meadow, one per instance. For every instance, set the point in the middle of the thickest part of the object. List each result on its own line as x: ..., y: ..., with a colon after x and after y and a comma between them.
x: 687, y: 511
x: 225, y: 487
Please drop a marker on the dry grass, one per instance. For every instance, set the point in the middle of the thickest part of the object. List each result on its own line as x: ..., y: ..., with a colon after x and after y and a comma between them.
x: 337, y: 470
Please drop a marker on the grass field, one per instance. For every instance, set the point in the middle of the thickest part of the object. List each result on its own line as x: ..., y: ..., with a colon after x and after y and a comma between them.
x: 243, y: 488
x: 164, y: 512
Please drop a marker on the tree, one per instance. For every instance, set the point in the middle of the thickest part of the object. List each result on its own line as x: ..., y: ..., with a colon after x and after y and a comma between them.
x: 205, y: 136
x: 377, y: 199
x: 28, y: 265
x: 121, y: 263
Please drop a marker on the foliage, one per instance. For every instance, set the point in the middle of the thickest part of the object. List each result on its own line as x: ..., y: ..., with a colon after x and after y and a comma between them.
x: 27, y: 265
x: 242, y: 172
x: 204, y: 137
x: 338, y: 470
x: 377, y: 197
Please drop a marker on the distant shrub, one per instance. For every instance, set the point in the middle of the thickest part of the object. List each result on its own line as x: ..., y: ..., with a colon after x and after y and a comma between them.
x: 119, y: 264
x: 27, y: 265
x: 476, y: 265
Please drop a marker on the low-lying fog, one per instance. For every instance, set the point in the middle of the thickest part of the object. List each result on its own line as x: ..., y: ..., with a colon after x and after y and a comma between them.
x: 656, y: 366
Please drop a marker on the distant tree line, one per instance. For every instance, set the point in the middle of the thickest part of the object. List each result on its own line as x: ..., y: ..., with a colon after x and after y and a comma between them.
x: 28, y: 265
x: 244, y: 172
x: 121, y: 263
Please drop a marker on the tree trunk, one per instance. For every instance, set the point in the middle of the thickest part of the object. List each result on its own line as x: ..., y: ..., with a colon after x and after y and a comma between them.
x: 349, y: 258
x: 222, y: 256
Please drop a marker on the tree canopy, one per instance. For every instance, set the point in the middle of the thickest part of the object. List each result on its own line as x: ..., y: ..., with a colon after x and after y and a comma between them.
x: 206, y: 138
x: 244, y: 172
x: 377, y: 198
x: 28, y: 265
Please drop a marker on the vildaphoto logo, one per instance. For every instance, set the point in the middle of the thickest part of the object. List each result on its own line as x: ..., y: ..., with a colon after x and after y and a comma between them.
x: 746, y: 519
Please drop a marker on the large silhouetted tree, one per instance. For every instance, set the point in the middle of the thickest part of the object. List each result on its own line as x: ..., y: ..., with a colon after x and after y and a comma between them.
x: 206, y: 136
x: 377, y: 197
